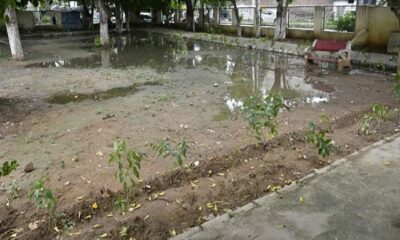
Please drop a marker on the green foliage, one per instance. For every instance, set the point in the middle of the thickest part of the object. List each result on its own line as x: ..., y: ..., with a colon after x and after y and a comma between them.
x: 128, y: 167
x: 325, y: 122
x: 7, y: 168
x: 317, y: 137
x: 378, y: 114
x: 43, y: 198
x: 121, y: 204
x: 97, y: 42
x: 346, y: 22
x: 261, y: 113
x: 166, y: 148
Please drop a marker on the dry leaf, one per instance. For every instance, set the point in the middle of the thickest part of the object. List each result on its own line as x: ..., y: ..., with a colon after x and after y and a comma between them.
x: 104, y: 235
x: 97, y: 226
x: 33, y: 226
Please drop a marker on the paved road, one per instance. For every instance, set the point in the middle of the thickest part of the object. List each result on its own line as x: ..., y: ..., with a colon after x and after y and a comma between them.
x: 356, y: 198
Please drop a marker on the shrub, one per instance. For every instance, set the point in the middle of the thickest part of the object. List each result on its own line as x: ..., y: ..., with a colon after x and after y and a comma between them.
x: 378, y: 114
x: 317, y: 137
x: 166, y: 148
x: 7, y: 168
x: 44, y: 198
x: 128, y: 163
x: 346, y: 22
x: 261, y: 113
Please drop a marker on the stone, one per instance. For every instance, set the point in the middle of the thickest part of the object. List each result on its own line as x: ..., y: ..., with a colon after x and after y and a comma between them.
x: 29, y: 167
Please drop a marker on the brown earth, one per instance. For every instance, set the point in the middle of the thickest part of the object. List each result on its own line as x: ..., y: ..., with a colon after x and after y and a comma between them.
x: 71, y: 142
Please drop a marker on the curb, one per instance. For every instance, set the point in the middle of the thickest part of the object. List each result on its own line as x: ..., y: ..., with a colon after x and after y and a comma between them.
x: 269, y: 197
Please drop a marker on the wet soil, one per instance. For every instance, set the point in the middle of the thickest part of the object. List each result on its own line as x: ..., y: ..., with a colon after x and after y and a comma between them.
x: 196, y: 93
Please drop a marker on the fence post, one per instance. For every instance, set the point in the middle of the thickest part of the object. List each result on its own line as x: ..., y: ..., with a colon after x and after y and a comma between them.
x: 201, y: 17
x: 318, y: 21
x: 216, y: 15
x: 177, y: 17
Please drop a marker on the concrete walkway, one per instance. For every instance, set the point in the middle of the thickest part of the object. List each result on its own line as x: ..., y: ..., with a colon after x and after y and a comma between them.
x: 356, y: 198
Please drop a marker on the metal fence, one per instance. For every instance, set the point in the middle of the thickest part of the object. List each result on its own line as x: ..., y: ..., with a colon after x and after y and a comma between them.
x: 246, y: 16
x: 44, y: 18
x: 301, y: 17
x: 335, y: 18
x: 268, y: 16
x: 226, y: 16
x: 340, y: 18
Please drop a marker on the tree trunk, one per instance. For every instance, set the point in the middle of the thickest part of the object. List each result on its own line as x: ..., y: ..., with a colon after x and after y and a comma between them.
x: 257, y: 30
x: 104, y: 34
x: 189, y: 15
x: 118, y: 17
x: 14, y: 39
x: 238, y: 18
x: 281, y: 20
x: 86, y: 16
x: 127, y: 20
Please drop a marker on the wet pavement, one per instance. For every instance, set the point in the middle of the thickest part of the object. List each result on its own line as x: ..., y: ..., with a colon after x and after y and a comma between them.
x: 356, y: 198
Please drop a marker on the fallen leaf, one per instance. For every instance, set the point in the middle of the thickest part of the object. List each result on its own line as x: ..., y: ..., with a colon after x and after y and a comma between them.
x: 104, y: 235
x: 94, y: 205
x: 301, y: 199
x: 213, y: 185
x: 33, y: 226
x: 74, y: 234
x: 161, y: 194
x: 146, y: 217
x: 99, y: 153
x: 172, y: 232
x: 97, y: 226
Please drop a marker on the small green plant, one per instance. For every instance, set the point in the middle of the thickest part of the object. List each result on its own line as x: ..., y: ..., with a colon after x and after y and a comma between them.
x: 13, y: 191
x: 97, y: 42
x: 377, y: 115
x: 121, y: 204
x: 128, y: 163
x: 7, y: 168
x: 261, y: 113
x: 325, y: 122
x: 166, y: 148
x: 44, y: 198
x: 317, y: 137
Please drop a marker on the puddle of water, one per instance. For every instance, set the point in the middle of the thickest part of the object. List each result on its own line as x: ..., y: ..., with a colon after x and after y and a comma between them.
x: 68, y: 97
x: 247, y: 72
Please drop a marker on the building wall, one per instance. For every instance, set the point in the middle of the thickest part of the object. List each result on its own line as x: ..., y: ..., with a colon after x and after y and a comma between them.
x: 25, y: 21
x: 381, y: 21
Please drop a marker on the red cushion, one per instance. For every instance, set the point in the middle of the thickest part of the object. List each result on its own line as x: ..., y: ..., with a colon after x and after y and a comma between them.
x: 330, y: 46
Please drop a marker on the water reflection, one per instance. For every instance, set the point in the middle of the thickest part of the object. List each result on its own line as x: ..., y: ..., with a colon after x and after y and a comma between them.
x: 249, y: 72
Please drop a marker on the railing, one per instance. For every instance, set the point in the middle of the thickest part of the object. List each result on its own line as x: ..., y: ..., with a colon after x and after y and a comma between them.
x: 340, y: 18
x: 268, y: 16
x: 246, y: 16
x: 44, y: 18
x: 335, y: 18
x: 301, y: 17
x: 226, y: 16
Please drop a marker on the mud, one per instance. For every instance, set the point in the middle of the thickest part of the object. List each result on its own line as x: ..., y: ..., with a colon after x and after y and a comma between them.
x: 196, y: 93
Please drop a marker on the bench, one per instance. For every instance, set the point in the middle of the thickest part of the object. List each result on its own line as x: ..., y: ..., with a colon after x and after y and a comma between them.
x: 329, y: 51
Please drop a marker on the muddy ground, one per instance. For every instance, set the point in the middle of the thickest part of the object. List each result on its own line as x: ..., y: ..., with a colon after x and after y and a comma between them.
x: 64, y: 106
